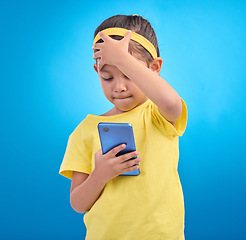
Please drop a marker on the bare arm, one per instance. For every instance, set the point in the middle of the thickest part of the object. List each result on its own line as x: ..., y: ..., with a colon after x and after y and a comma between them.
x: 114, y: 52
x: 160, y: 92
x: 86, y: 189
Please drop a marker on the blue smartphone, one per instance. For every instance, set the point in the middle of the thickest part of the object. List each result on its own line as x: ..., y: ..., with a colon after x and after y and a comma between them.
x: 114, y: 134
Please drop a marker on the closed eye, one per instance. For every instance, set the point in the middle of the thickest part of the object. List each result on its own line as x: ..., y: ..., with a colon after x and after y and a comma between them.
x: 107, y: 79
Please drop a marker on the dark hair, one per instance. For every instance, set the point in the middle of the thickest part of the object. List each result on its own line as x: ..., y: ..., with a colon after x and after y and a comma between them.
x: 136, y: 24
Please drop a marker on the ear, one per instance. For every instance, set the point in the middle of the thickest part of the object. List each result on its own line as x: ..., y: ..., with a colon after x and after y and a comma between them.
x: 156, y: 64
x: 95, y: 67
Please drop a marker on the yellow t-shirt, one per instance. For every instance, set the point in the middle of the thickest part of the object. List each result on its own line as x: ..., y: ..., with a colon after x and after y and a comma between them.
x: 149, y: 206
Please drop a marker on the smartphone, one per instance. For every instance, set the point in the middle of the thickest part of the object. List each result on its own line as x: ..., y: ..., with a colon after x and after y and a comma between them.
x: 114, y: 134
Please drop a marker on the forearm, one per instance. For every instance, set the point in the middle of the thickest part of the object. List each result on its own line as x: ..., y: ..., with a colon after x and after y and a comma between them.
x: 154, y: 86
x: 116, y: 53
x: 83, y: 197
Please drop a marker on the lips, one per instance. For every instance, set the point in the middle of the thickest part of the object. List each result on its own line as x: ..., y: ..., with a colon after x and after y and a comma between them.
x: 121, y: 97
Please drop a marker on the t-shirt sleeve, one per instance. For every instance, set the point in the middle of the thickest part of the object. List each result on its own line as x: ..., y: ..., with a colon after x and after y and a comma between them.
x: 77, y: 156
x: 165, y: 125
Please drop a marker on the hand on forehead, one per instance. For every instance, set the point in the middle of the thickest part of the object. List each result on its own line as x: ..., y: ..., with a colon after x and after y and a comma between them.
x: 111, y: 51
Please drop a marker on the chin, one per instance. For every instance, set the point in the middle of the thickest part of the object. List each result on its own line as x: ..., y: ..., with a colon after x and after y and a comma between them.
x: 125, y: 107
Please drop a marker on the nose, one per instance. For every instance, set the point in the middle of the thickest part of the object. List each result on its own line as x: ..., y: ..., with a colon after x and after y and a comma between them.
x: 120, y: 85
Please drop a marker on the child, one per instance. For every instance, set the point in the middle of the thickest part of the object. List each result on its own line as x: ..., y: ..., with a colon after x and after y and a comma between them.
x: 149, y: 206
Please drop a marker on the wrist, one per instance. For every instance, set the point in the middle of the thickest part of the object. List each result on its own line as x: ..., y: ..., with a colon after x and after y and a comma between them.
x: 97, y: 177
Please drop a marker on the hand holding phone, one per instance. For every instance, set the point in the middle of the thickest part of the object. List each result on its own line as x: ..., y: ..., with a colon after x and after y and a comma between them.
x: 115, y: 134
x: 109, y: 165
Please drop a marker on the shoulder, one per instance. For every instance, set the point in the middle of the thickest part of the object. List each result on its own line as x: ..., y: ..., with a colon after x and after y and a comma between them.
x: 83, y: 129
x: 153, y: 115
x: 89, y: 121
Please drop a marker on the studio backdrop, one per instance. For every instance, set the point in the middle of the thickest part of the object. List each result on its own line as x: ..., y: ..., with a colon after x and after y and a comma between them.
x: 48, y: 86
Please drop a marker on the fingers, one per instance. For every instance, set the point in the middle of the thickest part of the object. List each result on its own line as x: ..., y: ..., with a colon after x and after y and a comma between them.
x: 103, y: 36
x: 127, y: 156
x: 100, y: 49
x: 124, y: 157
x: 116, y: 150
x: 127, y: 36
x: 96, y: 55
x: 130, y: 165
x: 97, y: 46
x: 129, y: 169
x: 127, y: 165
x: 100, y: 62
x: 115, y: 165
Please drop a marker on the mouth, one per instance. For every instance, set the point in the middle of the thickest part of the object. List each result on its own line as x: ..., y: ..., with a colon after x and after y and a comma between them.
x: 121, y: 98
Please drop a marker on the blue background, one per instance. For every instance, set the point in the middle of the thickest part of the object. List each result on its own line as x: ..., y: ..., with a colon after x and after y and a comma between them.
x: 48, y: 86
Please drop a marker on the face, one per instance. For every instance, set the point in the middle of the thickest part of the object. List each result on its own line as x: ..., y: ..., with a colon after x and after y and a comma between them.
x: 119, y: 89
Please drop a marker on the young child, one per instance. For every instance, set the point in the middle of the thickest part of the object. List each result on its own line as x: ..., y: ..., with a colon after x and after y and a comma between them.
x: 149, y: 206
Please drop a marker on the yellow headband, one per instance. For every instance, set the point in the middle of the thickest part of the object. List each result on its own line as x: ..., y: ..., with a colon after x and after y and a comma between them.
x: 135, y: 37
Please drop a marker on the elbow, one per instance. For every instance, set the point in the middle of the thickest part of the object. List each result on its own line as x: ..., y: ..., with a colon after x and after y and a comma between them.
x: 178, y: 107
x: 174, y: 108
x: 76, y: 205
x: 77, y: 209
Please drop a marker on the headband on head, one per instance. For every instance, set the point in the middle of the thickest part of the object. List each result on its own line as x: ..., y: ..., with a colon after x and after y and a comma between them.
x: 135, y: 37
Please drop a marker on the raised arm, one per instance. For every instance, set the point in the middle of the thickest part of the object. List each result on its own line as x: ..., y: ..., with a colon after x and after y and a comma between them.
x: 114, y: 52
x: 154, y: 86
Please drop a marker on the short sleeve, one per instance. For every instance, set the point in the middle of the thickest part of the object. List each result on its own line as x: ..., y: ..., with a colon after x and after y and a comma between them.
x: 165, y: 125
x: 77, y: 156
